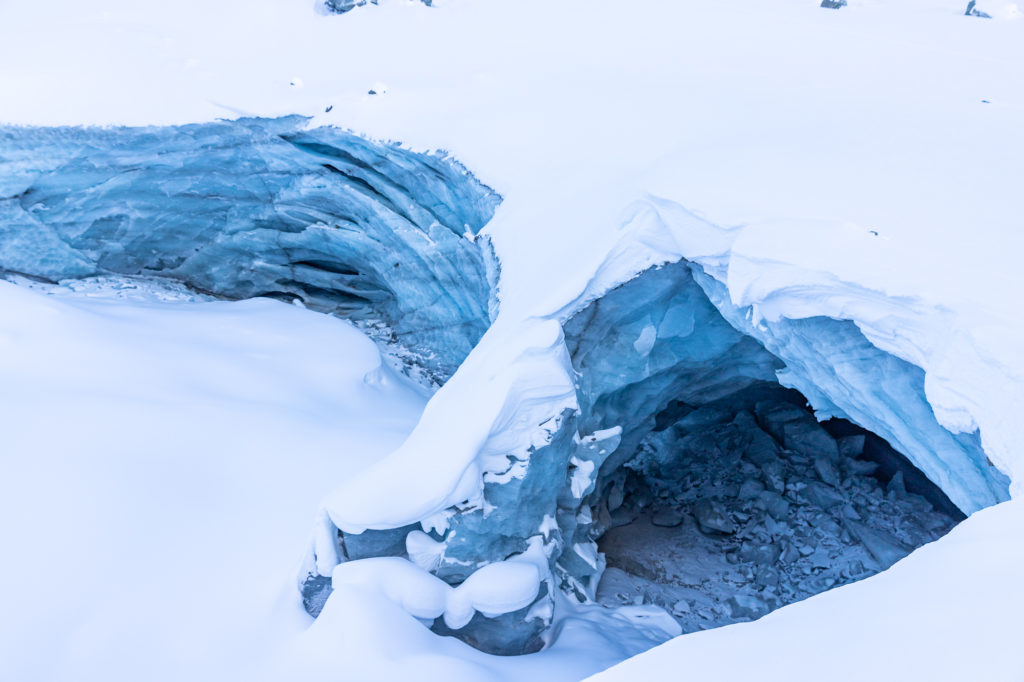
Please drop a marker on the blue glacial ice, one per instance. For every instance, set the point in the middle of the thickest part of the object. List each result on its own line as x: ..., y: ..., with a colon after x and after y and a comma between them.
x: 652, y: 446
x: 260, y: 207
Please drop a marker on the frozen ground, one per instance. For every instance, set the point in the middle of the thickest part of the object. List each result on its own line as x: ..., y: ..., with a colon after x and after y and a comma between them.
x: 878, y: 145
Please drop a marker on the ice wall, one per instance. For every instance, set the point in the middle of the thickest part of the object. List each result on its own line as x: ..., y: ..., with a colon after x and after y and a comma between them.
x: 260, y: 207
x: 843, y: 375
x: 652, y: 342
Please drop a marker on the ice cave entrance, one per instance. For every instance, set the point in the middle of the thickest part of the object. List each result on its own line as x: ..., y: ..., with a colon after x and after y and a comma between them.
x: 732, y: 510
x: 727, y: 498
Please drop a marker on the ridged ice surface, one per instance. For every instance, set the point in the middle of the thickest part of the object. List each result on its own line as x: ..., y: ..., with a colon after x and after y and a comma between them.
x: 647, y: 414
x: 725, y: 498
x: 259, y: 207
x: 843, y: 374
x: 737, y: 507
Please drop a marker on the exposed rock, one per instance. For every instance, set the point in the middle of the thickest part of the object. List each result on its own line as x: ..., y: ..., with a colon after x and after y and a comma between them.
x: 765, y: 553
x: 826, y: 470
x: 885, y: 549
x: 973, y: 11
x: 774, y: 414
x: 681, y: 607
x: 342, y: 6
x: 750, y: 489
x: 859, y: 467
x: 315, y: 591
x: 667, y: 517
x: 774, y: 504
x: 822, y: 496
x: 747, y: 606
x: 851, y: 447
x: 896, y: 489
x: 807, y: 437
x: 766, y: 533
x: 711, y: 517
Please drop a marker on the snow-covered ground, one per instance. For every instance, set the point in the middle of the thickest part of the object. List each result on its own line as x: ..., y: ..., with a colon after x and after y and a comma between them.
x: 879, y: 144
x: 163, y: 457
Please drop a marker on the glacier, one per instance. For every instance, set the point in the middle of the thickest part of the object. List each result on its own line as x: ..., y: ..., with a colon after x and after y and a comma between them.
x: 261, y: 207
x: 563, y: 453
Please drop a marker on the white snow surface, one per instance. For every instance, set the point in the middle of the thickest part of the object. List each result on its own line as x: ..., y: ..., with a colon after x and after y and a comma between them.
x: 162, y: 461
x: 949, y: 611
x: 862, y: 164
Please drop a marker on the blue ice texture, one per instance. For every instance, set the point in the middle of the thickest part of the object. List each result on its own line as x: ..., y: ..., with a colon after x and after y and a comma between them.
x: 260, y: 207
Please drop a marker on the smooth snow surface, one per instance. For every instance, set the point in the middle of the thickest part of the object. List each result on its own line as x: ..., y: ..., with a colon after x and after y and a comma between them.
x: 862, y: 164
x: 163, y: 460
x: 260, y: 207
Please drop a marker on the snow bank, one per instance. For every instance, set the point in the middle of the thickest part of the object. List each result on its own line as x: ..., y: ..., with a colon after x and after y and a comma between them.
x: 163, y: 451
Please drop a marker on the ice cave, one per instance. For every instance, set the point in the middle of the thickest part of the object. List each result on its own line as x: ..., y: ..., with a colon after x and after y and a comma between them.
x: 726, y: 498
x: 654, y: 450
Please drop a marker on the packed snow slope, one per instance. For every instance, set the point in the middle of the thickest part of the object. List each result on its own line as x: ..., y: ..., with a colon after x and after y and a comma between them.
x: 859, y: 164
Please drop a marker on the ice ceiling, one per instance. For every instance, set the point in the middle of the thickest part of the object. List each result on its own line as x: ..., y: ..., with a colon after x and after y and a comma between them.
x: 655, y: 446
